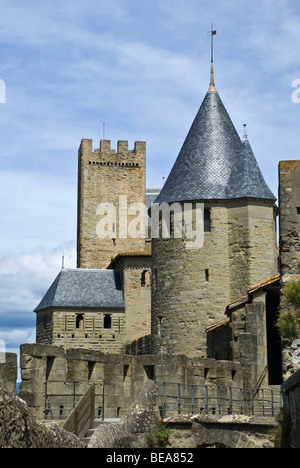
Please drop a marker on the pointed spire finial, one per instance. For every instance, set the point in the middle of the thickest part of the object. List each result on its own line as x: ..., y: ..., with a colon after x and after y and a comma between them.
x: 212, y: 33
x: 245, y: 136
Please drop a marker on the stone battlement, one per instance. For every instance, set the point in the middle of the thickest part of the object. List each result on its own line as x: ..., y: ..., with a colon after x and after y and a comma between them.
x: 106, y: 156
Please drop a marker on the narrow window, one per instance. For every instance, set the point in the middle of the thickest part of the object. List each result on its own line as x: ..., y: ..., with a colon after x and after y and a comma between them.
x: 79, y: 321
x: 49, y: 366
x: 91, y: 368
x: 207, y: 221
x: 107, y: 321
x: 125, y: 372
x: 155, y: 277
x: 298, y: 210
x: 206, y: 275
x: 149, y: 371
x: 160, y: 317
x: 145, y: 279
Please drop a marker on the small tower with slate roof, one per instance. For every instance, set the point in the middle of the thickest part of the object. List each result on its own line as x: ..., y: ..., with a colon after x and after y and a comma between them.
x: 191, y: 287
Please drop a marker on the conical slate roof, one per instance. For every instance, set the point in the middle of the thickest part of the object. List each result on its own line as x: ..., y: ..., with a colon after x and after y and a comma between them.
x: 213, y: 162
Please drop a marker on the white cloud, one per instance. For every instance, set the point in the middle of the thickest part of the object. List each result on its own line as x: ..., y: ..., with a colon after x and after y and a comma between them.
x: 14, y: 337
x: 38, y: 209
x: 24, y: 279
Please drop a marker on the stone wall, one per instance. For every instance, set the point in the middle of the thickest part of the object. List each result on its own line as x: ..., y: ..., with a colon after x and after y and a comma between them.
x: 291, y: 398
x: 252, y: 244
x: 104, y: 175
x: 123, y: 375
x: 136, y: 279
x: 44, y: 327
x: 8, y: 371
x: 249, y: 338
x: 93, y: 331
x: 231, y: 431
x: 219, y: 339
x: 139, y: 347
x: 289, y: 219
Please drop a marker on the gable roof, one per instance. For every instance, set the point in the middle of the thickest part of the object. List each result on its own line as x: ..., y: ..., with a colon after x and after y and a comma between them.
x: 213, y: 163
x: 84, y: 288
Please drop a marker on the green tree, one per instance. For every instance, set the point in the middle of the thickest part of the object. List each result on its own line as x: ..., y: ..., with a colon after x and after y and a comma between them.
x: 288, y: 321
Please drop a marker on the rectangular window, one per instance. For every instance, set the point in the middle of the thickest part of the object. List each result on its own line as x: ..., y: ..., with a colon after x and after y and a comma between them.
x: 107, y: 321
x: 149, y: 371
x: 125, y: 372
x: 207, y: 221
x: 298, y: 210
x: 79, y: 321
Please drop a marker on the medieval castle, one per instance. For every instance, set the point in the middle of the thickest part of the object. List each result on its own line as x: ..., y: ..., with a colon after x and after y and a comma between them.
x: 145, y: 306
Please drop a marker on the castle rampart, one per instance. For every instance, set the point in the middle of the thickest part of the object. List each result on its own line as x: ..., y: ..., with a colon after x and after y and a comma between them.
x: 122, y: 375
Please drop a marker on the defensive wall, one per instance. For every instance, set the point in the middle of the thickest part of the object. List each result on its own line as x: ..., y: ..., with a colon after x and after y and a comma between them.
x: 122, y: 375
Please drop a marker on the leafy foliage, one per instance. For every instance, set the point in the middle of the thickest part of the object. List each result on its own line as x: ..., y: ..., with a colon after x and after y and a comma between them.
x: 288, y: 321
x: 160, y: 438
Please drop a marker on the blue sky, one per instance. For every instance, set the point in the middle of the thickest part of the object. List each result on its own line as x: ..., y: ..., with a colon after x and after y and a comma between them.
x: 142, y: 67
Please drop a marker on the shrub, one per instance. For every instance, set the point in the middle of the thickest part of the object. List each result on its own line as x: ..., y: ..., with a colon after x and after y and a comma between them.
x: 160, y: 438
x: 288, y: 321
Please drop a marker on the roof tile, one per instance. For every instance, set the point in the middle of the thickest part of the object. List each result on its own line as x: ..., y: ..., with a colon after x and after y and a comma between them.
x: 84, y: 288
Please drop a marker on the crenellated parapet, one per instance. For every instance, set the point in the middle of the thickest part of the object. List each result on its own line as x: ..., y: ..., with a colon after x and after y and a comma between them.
x: 105, y: 156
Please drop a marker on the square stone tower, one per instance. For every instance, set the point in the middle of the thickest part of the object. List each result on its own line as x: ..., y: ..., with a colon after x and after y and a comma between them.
x: 112, y: 180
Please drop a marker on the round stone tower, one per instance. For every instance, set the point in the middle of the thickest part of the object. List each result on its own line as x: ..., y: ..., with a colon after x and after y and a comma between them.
x: 192, y: 284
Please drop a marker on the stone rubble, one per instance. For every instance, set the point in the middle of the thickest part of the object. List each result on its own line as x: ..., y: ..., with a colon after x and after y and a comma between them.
x: 19, y: 429
x: 291, y: 359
